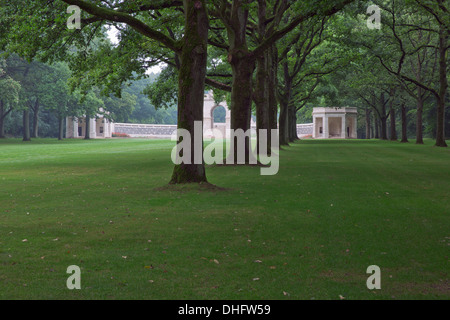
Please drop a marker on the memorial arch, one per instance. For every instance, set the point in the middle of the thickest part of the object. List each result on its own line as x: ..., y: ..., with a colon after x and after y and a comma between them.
x: 208, y: 116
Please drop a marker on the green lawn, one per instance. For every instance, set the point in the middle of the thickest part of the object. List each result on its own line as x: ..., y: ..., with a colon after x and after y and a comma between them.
x: 310, y: 232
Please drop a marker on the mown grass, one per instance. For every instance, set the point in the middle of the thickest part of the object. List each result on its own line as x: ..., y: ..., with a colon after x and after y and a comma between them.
x: 309, y: 232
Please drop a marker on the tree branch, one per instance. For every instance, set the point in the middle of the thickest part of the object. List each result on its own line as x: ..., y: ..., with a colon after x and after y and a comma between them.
x: 136, y: 24
x: 294, y: 23
x: 218, y: 85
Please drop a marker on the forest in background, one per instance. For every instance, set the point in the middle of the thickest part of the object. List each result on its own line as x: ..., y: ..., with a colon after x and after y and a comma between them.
x: 395, y: 74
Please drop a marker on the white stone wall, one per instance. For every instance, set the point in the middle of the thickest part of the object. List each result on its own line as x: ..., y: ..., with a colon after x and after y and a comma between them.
x: 145, y: 130
x: 305, y: 130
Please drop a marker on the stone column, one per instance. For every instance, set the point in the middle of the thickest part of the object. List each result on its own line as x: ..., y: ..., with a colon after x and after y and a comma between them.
x: 344, y: 127
x: 314, y: 127
x: 93, y: 128
x: 354, y: 132
x: 69, y: 128
x: 326, y: 134
x: 75, y: 127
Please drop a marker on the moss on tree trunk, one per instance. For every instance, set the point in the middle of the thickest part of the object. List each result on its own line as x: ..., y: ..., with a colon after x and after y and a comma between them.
x: 191, y: 86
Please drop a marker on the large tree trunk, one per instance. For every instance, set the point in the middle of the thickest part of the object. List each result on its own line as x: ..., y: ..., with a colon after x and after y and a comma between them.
x: 404, y: 124
x: 367, y: 123
x: 419, y: 116
x: 242, y: 66
x: 191, y: 86
x: 26, y: 125
x: 241, y: 99
x: 440, y: 129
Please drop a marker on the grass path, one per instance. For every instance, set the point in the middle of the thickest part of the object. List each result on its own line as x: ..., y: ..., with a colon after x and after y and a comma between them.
x: 335, y: 208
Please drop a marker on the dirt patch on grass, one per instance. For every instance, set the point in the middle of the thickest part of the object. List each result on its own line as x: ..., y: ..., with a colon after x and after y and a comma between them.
x: 392, y: 286
x: 192, y: 187
x: 344, y: 277
x: 441, y: 288
x: 260, y: 165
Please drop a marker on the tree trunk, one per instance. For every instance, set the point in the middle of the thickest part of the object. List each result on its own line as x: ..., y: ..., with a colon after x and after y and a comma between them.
x: 26, y: 125
x: 284, y: 99
x: 440, y: 129
x: 377, y: 126
x: 368, y: 123
x: 392, y: 124
x: 273, y: 84
x: 2, y: 128
x: 383, y: 118
x: 3, y: 115
x: 419, y: 115
x: 383, y: 128
x: 284, y: 123
x: 241, y: 99
x: 404, y: 125
x: 393, y: 131
x: 36, y: 119
x: 2, y: 118
x: 261, y: 98
x: 87, y: 134
x: 262, y: 87
x: 292, y: 124
x: 191, y: 87
x: 60, y: 128
x: 242, y: 66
